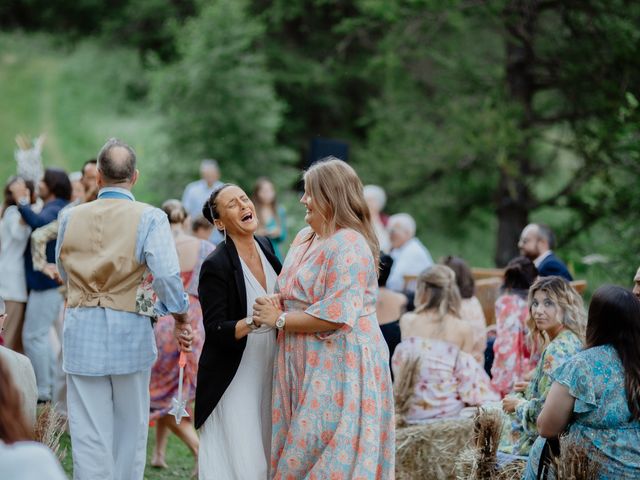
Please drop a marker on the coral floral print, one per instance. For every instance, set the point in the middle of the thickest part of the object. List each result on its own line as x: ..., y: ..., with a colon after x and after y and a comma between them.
x: 333, y: 400
x: 513, y: 358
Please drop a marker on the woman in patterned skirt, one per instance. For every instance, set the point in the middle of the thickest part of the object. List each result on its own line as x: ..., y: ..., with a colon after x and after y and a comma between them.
x: 165, y: 372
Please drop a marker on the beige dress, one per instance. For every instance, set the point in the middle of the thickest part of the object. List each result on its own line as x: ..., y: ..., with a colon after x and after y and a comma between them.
x: 471, y: 312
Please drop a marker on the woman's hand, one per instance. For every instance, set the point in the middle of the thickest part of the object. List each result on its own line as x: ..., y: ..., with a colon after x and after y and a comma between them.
x: 266, y: 310
x: 520, y: 386
x: 509, y: 403
x: 51, y: 271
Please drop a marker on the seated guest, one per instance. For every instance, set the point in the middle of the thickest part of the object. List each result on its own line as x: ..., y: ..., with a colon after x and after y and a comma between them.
x: 556, y: 319
x: 470, y: 307
x: 21, y: 458
x: 21, y: 370
x: 596, y: 394
x: 512, y: 349
x: 410, y: 256
x: 537, y: 242
x: 449, y: 378
x: 201, y: 228
x: 389, y: 306
x: 376, y: 199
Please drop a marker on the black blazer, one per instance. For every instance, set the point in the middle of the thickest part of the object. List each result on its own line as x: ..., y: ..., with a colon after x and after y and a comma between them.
x: 552, y: 265
x: 223, y: 298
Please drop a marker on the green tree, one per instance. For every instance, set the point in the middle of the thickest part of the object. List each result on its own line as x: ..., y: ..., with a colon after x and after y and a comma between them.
x: 219, y: 101
x: 513, y: 104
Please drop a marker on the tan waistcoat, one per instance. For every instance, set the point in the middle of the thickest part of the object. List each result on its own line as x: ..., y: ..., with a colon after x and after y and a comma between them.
x: 99, y: 258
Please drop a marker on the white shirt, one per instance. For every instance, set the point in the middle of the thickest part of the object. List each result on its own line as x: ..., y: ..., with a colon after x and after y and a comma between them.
x: 14, y: 236
x: 412, y: 258
x: 541, y: 258
x: 29, y: 461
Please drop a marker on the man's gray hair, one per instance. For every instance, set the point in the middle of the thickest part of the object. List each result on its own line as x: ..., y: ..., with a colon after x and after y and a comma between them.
x: 545, y: 232
x: 377, y: 194
x: 117, y: 161
x: 209, y: 163
x: 404, y: 221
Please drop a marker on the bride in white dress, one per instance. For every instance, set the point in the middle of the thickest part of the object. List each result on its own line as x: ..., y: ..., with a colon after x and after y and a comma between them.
x: 235, y: 438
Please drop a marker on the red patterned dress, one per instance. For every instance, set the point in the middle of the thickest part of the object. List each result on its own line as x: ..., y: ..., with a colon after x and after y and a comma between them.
x: 165, y: 372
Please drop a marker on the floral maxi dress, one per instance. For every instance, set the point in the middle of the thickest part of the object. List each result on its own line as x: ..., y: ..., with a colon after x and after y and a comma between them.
x: 333, y: 401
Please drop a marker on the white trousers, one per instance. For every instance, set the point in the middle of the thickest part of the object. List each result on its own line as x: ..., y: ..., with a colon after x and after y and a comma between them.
x: 108, y: 422
x: 43, y: 308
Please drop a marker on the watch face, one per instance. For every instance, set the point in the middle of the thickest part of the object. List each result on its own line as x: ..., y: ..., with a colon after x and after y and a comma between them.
x: 249, y: 321
x: 280, y: 322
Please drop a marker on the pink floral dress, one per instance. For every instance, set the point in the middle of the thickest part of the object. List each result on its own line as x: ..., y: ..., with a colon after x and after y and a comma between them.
x: 512, y: 350
x: 333, y: 415
x: 449, y: 380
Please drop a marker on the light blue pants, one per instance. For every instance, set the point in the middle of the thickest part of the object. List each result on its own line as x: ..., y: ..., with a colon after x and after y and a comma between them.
x: 43, y: 307
x: 109, y: 422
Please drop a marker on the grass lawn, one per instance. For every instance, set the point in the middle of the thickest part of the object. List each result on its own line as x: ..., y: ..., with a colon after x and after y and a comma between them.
x: 178, y: 458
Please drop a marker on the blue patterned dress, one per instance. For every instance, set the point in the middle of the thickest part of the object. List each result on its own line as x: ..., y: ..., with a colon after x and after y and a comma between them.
x: 518, y: 439
x: 601, y: 417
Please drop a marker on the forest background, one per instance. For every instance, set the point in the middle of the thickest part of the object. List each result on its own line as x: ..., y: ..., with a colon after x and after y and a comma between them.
x: 475, y: 116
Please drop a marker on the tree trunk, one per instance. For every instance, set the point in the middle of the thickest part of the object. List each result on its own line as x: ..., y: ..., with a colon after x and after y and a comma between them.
x: 513, y: 196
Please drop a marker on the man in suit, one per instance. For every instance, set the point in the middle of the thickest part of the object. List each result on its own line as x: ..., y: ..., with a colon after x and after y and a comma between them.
x: 537, y: 242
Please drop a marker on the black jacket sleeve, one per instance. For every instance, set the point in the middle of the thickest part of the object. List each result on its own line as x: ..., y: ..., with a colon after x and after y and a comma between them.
x: 216, y: 295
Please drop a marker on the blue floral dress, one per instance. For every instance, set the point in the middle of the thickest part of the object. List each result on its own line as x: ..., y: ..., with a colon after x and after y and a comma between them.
x: 518, y: 439
x: 601, y: 417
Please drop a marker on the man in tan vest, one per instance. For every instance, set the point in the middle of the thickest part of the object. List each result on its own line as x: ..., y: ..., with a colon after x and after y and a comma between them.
x: 113, y: 254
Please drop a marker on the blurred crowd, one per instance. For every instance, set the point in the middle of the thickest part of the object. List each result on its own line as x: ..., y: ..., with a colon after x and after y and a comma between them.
x: 541, y: 347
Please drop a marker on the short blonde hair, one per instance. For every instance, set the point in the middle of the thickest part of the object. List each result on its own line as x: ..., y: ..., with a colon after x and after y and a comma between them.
x: 566, y: 297
x: 337, y: 192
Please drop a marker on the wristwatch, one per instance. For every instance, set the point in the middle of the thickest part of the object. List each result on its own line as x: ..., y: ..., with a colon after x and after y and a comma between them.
x: 280, y: 322
x: 251, y: 324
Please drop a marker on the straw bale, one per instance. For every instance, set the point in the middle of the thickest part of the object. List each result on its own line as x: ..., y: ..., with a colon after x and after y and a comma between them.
x: 429, y: 451
x: 50, y: 425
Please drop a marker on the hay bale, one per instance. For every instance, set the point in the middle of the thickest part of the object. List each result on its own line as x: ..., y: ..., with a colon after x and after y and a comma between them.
x: 429, y: 451
x: 50, y: 426
x: 480, y: 460
x: 576, y: 462
x: 404, y: 387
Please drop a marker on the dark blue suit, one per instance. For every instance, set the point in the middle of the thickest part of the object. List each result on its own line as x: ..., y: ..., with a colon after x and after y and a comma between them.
x: 552, y: 265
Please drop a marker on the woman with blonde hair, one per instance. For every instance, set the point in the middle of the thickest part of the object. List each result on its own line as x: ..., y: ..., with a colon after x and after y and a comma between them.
x: 165, y: 372
x: 449, y: 377
x: 557, y: 322
x: 333, y: 400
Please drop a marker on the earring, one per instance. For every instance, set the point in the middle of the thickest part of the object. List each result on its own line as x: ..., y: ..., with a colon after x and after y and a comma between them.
x: 224, y: 235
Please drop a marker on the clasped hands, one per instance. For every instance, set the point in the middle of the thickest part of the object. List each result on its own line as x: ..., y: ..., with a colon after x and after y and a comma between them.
x: 266, y: 310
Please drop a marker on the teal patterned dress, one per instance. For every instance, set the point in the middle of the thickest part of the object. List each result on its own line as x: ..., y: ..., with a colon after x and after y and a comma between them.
x: 601, y: 417
x: 518, y: 439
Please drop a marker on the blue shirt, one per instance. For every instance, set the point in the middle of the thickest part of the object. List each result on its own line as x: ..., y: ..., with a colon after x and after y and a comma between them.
x: 193, y: 198
x: 195, y: 194
x: 38, y: 280
x: 101, y: 341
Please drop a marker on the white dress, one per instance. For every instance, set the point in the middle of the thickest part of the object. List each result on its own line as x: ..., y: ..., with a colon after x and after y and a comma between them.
x: 235, y: 441
x: 14, y: 236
